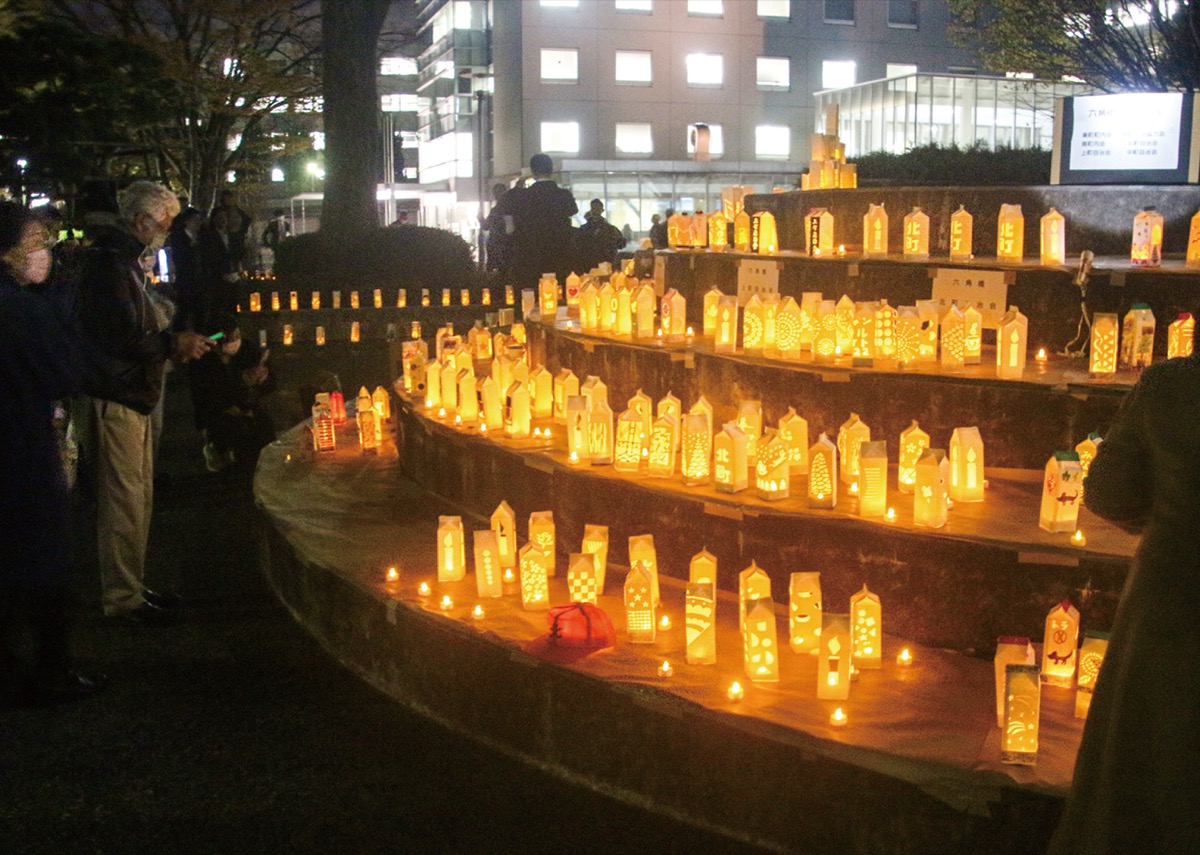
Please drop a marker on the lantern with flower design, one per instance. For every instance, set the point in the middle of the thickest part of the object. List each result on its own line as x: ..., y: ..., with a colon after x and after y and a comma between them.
x: 866, y: 630
x: 824, y: 346
x: 542, y: 535
x: 535, y: 585
x: 913, y: 441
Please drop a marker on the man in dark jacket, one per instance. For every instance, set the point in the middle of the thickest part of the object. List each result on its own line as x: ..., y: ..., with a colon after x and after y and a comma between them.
x: 600, y: 240
x: 542, y: 236
x: 127, y: 342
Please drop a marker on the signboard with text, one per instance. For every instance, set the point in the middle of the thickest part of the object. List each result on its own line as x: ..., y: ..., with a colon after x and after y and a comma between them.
x: 1131, y: 138
x: 986, y: 290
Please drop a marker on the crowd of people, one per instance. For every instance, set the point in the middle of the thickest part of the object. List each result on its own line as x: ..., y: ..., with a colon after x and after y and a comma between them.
x: 88, y: 330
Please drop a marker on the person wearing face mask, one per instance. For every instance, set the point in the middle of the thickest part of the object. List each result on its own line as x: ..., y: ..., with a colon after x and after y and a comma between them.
x: 227, y: 385
x: 124, y: 337
x: 39, y: 365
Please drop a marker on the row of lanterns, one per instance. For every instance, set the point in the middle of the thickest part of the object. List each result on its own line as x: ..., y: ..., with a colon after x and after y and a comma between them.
x: 372, y: 412
x: 255, y: 301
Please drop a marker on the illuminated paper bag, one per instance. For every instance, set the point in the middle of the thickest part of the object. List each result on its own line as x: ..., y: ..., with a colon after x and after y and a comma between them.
x: 1053, y: 228
x: 489, y: 575
x: 504, y: 525
x: 542, y: 535
x: 468, y: 400
x: 642, y: 553
x: 490, y: 405
x: 730, y: 461
x: 703, y: 567
x: 787, y: 329
x: 725, y: 333
x: 595, y: 543
x: 962, y: 230
x: 643, y: 312
x: 535, y: 585
x: 712, y: 299
x: 674, y: 314
x: 700, y: 622
x: 1059, y: 645
x: 1062, y: 490
x: 772, y: 479
x: 627, y: 455
x: 1192, y: 259
x: 793, y: 431
x: 760, y: 643
x: 662, y: 451
x: 972, y: 336
x: 818, y: 223
x: 851, y: 435
x: 696, y: 455
x: 822, y: 474
x: 913, y: 441
x: 606, y: 318
x: 752, y: 325
x: 749, y: 419
x: 670, y: 405
x: 1012, y: 342
x: 1137, y: 337
x: 1103, y: 347
x: 541, y: 393
x: 1010, y: 650
x: 866, y: 629
x: 954, y: 335
x: 844, y: 312
x: 449, y: 386
x: 875, y: 232
x: 548, y: 298
x: 804, y: 612
x: 966, y: 465
x: 516, y: 411
x: 741, y: 231
x: 600, y: 433
x: 825, y: 342
x: 577, y: 424
x: 583, y: 582
x: 1091, y: 657
x: 930, y: 508
x: 833, y: 659
x: 753, y: 584
x: 640, y: 621
x: 916, y: 235
x: 1022, y: 713
x: 718, y: 232
x: 1010, y: 233
x: 451, y: 549
x: 703, y: 406
x: 1180, y: 334
x: 872, y: 480
x: 885, y: 330
x: 1146, y: 247
x: 863, y: 348
x: 764, y: 237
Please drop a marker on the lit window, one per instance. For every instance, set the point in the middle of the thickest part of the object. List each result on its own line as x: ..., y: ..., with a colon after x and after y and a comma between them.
x: 774, y: 72
x: 309, y: 105
x: 318, y: 140
x: 276, y: 174
x: 393, y: 65
x: 716, y: 139
x: 634, y: 5
x: 634, y: 139
x: 560, y: 65
x: 705, y: 7
x: 705, y: 69
x: 837, y: 74
x: 839, y: 11
x: 900, y: 69
x: 902, y: 13
x: 389, y: 103
x: 560, y: 137
x: 774, y: 8
x: 773, y: 141
x: 399, y: 103
x: 634, y: 66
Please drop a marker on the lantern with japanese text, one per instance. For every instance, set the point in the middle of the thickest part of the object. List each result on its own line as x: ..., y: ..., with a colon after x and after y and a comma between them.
x: 1054, y: 238
x: 535, y: 585
x: 712, y: 299
x: 595, y: 543
x: 583, y: 582
x: 516, y: 411
x: 962, y: 229
x: 864, y: 335
x: 1010, y: 650
x: 504, y: 525
x: 741, y: 231
x: 489, y: 575
x: 1022, y: 710
x: 1062, y: 489
x: 640, y: 622
x: 1012, y: 335
x: 1180, y: 333
x: 1103, y: 348
x: 1146, y: 248
x: 872, y: 480
x: 930, y: 508
x: 833, y: 658
x: 600, y: 433
x: 875, y: 232
x: 818, y: 225
x: 760, y: 643
x: 1010, y: 234
x: 793, y: 431
x: 866, y: 630
x: 696, y: 453
x: 1091, y: 657
x: 851, y: 434
x: 772, y: 475
x: 718, y: 231
x: 822, y: 473
x: 1137, y: 337
x: 764, y: 238
x: 916, y: 235
x: 730, y: 460
x: 1059, y: 645
x: 750, y: 420
x: 966, y: 465
x: 627, y: 452
x: 700, y: 622
x: 804, y: 612
x: 954, y: 329
x: 451, y: 560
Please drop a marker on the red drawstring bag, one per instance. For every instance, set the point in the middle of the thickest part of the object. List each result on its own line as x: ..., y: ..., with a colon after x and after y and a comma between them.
x: 580, y: 625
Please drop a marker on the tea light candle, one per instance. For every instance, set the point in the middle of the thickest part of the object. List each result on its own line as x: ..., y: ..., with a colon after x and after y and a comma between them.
x: 665, y: 670
x: 891, y: 515
x: 477, y: 612
x: 1078, y: 539
x: 392, y: 574
x: 735, y: 692
x: 423, y: 589
x: 458, y: 420
x: 441, y: 412
x: 1040, y: 356
x: 574, y: 457
x: 483, y: 427
x: 838, y: 718
x: 546, y: 433
x: 904, y: 658
x: 447, y: 604
x: 664, y: 622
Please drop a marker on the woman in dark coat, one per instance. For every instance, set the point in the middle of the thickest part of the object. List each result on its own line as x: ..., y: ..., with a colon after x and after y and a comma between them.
x: 39, y: 365
x: 1137, y: 776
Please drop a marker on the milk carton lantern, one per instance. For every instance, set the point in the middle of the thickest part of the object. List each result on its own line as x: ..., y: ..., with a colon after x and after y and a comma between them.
x: 804, y: 612
x: 1062, y: 489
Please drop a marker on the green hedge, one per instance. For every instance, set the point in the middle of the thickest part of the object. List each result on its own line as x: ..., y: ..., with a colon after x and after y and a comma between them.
x: 937, y: 166
x: 393, y: 257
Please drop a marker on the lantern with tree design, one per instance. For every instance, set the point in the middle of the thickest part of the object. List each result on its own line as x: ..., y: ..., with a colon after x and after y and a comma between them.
x: 451, y: 561
x: 822, y: 473
x: 730, y: 461
x: 1062, y: 490
x: 833, y: 658
x: 866, y: 630
x: 966, y: 465
x: 696, y: 456
x: 804, y: 612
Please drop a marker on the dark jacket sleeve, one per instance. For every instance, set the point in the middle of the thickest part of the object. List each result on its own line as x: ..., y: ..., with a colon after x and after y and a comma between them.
x: 35, y: 346
x: 1118, y: 486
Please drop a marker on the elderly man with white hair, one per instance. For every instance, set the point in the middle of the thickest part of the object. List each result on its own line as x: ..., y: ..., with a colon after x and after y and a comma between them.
x: 129, y: 344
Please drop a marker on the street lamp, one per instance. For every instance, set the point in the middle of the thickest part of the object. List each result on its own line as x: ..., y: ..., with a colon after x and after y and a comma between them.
x: 21, y: 164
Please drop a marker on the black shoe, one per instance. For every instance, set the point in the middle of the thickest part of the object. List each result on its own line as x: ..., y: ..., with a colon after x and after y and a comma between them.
x: 66, y: 686
x: 147, y: 614
x: 162, y: 599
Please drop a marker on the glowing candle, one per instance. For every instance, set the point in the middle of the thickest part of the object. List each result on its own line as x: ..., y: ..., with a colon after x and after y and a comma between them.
x: 423, y: 589
x: 392, y: 574
x: 838, y: 718
x: 1078, y: 539
x: 447, y: 604
x: 904, y: 658
x: 735, y: 692
x: 477, y: 613
x: 664, y: 622
x: 665, y: 670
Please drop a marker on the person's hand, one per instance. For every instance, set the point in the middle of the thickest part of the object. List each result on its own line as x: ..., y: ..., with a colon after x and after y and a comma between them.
x: 255, y: 376
x: 186, y: 346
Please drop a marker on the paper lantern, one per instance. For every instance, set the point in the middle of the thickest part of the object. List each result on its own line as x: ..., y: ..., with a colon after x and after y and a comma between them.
x: 908, y: 335
x: 1022, y: 702
x: 730, y: 460
x: 490, y: 404
x: 1086, y: 450
x: 753, y: 584
x: 712, y: 300
x: 433, y: 385
x: 663, y: 447
x: 875, y: 232
x: 1010, y: 650
x: 627, y: 454
x: 954, y: 328
x: 703, y: 567
x: 288, y: 335
x: 927, y: 348
x: 486, y: 296
x: 600, y: 433
x: 966, y: 465
x: 593, y: 390
x: 337, y: 406
x: 809, y: 301
x: 1012, y: 335
x: 1146, y: 249
x: 718, y: 231
x: 583, y: 582
x: 516, y: 411
x: 1180, y: 333
x: 845, y: 311
x: 804, y: 612
x: 1192, y: 259
x: 424, y: 298
x: 381, y: 402
x: 764, y: 238
x: 864, y: 335
x: 674, y: 314
x: 274, y: 301
x: 752, y: 325
x: 451, y: 561
x: 670, y: 405
x: 824, y: 345
x: 642, y: 552
x: 1054, y: 238
x: 1103, y: 348
x: 750, y: 420
x: 760, y: 644
x: 595, y: 543
x: 542, y: 535
x: 1010, y: 234
x: 1137, y: 337
x: 566, y: 385
x: 772, y: 474
x: 573, y: 282
x: 315, y: 300
x: 930, y: 508
x: 703, y: 406
x: 504, y: 526
x: 851, y: 434
x: 818, y: 225
x: 641, y: 624
x: 502, y: 371
x: 641, y: 404
x: 1059, y: 645
x: 916, y: 235
x: 606, y: 319
x: 741, y: 231
x: 535, y: 585
x: 793, y: 431
x: 700, y: 622
x: 1091, y: 657
x: 354, y: 304
x: 787, y: 329
x: 367, y: 419
x: 833, y: 658
x: 294, y: 301
x: 489, y: 576
x: 643, y: 312
x: 885, y: 330
x: 541, y: 393
x: 323, y: 430
x: 577, y: 426
x: 355, y: 332
x: 589, y: 308
x: 548, y: 298
x: 678, y: 231
x: 320, y: 336
x: 255, y: 301
x: 962, y: 228
x: 866, y: 630
x: 1062, y: 490
x: 770, y: 313
x: 972, y: 336
x: 872, y: 480
x: 623, y: 318
x: 696, y: 450
x: 402, y: 298
x: 822, y: 474
x: 519, y: 369
x: 448, y: 383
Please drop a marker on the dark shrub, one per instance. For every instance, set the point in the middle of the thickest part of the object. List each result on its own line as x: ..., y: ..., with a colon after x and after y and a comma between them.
x: 938, y: 166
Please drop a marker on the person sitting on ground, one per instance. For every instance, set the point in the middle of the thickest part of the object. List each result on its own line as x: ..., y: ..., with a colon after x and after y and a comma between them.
x: 227, y: 386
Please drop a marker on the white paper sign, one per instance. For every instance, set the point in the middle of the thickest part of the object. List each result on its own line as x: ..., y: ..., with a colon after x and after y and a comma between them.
x: 756, y: 276
x: 986, y: 290
x: 1126, y: 131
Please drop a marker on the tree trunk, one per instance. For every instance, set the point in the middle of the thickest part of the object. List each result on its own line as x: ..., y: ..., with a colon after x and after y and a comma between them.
x: 349, y: 39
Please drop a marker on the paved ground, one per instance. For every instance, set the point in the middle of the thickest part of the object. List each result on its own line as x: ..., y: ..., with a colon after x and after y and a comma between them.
x: 233, y: 732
